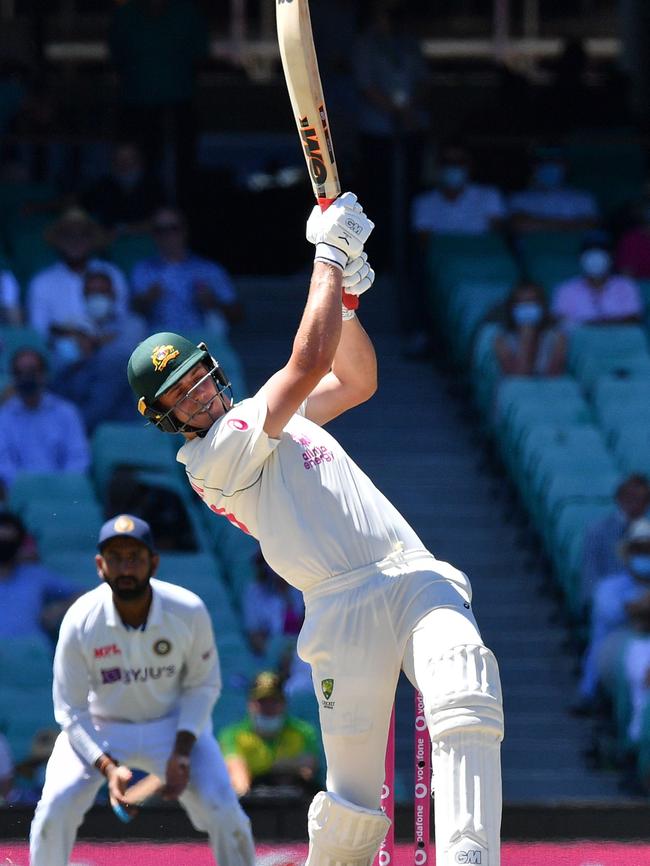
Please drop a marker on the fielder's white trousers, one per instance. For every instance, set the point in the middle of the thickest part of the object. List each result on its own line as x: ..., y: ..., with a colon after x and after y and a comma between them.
x: 71, y: 785
x: 360, y: 630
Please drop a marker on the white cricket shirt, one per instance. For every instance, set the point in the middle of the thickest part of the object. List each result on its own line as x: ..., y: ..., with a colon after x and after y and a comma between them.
x: 104, y: 669
x: 314, y: 512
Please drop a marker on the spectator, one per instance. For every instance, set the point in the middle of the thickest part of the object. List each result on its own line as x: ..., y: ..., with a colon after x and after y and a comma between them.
x: 270, y: 607
x: 633, y: 253
x: 609, y: 612
x: 549, y: 204
x: 457, y: 206
x: 124, y: 199
x: 269, y: 747
x: 55, y: 301
x: 156, y: 46
x: 39, y: 432
x: 30, y: 773
x: 600, y: 551
x: 101, y: 342
x: 528, y: 343
x: 597, y: 296
x: 32, y: 598
x: 636, y: 661
x: 6, y: 770
x: 179, y: 289
x: 10, y: 310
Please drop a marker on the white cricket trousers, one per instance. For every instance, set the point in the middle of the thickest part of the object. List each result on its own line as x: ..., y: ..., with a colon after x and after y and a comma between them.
x: 71, y: 786
x: 360, y: 630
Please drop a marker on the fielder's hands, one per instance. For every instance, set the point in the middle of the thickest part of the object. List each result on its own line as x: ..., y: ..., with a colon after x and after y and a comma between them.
x: 118, y: 779
x: 340, y: 232
x: 177, y: 775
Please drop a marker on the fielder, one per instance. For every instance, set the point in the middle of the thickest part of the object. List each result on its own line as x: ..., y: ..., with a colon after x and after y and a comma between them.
x: 136, y: 674
x: 376, y: 601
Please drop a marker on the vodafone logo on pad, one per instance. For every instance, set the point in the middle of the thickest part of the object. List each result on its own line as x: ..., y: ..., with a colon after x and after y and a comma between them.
x: 237, y: 424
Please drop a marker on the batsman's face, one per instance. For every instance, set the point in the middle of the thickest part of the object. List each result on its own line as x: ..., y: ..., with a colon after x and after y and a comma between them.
x: 195, y: 399
x: 127, y: 566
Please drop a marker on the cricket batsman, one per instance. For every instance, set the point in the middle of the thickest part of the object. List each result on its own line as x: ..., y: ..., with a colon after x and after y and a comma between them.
x: 376, y: 601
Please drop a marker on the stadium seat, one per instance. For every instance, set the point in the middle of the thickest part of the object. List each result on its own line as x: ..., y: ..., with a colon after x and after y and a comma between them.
x: 25, y: 662
x: 14, y: 337
x: 622, y: 341
x: 631, y: 446
x: 549, y: 270
x: 30, y: 253
x: 125, y: 251
x: 76, y: 566
x: 73, y: 487
x: 123, y: 444
x: 468, y: 306
x: 534, y: 245
x: 22, y: 713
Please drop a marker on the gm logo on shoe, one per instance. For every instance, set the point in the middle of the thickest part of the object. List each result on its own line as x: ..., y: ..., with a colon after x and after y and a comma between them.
x: 473, y: 856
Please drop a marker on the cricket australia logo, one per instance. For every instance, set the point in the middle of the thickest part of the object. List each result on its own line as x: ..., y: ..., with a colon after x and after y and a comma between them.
x: 162, y: 355
x: 327, y: 687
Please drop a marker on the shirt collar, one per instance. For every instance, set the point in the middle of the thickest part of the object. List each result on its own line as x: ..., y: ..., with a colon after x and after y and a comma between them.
x: 113, y: 618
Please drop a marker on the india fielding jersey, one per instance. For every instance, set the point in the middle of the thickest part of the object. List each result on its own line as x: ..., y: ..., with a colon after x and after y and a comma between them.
x: 314, y: 512
x: 107, y: 670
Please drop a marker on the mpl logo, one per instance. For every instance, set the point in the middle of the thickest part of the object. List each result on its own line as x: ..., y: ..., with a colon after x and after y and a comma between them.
x: 110, y: 650
x: 472, y: 856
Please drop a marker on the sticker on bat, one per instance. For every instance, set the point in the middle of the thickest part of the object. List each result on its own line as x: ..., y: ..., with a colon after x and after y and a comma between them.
x: 317, y: 167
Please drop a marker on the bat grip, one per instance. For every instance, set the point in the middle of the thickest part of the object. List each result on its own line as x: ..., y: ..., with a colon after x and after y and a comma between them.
x: 350, y: 302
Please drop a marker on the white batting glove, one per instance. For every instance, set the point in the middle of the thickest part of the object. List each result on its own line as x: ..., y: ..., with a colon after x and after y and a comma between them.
x: 358, y: 277
x: 339, y: 232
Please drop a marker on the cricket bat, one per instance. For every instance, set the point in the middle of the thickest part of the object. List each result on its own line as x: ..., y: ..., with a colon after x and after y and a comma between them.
x: 300, y: 66
x: 137, y: 795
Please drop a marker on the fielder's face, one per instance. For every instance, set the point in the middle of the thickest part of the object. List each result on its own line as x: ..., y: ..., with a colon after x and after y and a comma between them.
x: 195, y: 399
x: 127, y: 566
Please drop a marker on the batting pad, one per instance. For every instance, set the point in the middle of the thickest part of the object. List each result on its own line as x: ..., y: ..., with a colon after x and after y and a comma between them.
x: 342, y: 834
x: 466, y: 723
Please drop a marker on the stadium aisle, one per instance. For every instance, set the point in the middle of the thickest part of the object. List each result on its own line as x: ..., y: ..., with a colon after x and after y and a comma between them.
x: 413, y: 443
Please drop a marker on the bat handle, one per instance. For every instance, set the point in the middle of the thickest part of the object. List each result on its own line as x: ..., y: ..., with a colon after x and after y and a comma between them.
x: 351, y: 302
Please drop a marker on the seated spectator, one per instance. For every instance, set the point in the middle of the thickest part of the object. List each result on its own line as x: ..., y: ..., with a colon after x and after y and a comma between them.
x: 457, y: 206
x: 609, y: 612
x: 528, y: 344
x: 33, y: 599
x: 269, y: 747
x: 600, y: 550
x: 84, y: 353
x: 636, y: 661
x: 597, y: 296
x: 178, y: 289
x: 549, y: 204
x: 633, y: 253
x: 10, y: 310
x: 270, y: 607
x: 55, y: 297
x: 6, y: 770
x: 39, y: 432
x: 124, y: 199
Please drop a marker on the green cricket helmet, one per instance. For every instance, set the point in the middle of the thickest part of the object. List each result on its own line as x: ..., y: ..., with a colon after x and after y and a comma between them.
x: 157, y: 364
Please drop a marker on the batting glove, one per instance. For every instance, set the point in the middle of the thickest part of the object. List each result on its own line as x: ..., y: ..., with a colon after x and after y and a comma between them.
x: 340, y: 232
x: 358, y: 277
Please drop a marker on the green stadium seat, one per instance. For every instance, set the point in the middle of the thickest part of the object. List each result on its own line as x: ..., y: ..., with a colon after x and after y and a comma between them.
x: 25, y: 662
x: 125, y: 251
x: 623, y: 341
x: 76, y: 566
x: 631, y: 446
x: 305, y: 706
x: 22, y: 713
x: 534, y: 245
x: 485, y: 371
x: 138, y: 445
x: 14, y: 337
x: 30, y: 254
x: 230, y: 708
x: 551, y: 270
x: 50, y: 487
x: 468, y: 306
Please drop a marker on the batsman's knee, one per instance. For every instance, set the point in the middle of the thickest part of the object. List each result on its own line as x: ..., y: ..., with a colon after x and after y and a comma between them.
x: 464, y: 693
x: 343, y: 834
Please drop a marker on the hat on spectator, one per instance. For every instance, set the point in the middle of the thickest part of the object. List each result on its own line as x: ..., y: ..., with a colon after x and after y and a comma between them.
x: 77, y: 218
x: 126, y: 526
x: 638, y: 533
x: 266, y: 685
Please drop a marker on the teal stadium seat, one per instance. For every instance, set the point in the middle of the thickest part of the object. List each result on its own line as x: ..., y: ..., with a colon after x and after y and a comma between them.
x: 125, y: 251
x: 14, y: 337
x: 470, y: 302
x: 25, y: 662
x: 592, y: 156
x: 22, y: 713
x: 551, y: 270
x: 64, y: 525
x: 76, y: 566
x: 50, y: 487
x: 138, y: 445
x: 30, y: 254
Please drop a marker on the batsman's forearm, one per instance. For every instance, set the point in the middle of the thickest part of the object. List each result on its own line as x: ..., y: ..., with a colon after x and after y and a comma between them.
x: 355, y: 361
x: 319, y: 332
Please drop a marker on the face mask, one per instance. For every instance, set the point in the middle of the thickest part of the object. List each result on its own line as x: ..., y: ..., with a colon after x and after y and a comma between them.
x: 454, y: 176
x: 99, y: 306
x: 549, y: 175
x: 595, y: 263
x: 640, y: 565
x: 267, y: 725
x: 528, y: 313
x: 28, y: 386
x: 67, y: 350
x: 8, y: 550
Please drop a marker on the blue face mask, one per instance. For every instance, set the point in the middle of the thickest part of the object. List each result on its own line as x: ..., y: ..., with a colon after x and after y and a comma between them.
x: 639, y: 564
x: 596, y: 263
x: 454, y: 176
x: 527, y: 313
x: 549, y: 175
x: 267, y: 726
x: 67, y: 351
